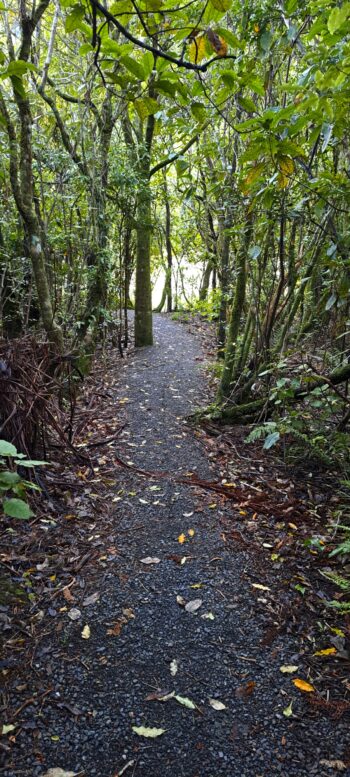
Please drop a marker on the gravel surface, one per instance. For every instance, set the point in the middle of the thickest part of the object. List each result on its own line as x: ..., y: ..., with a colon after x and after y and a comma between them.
x: 101, y: 683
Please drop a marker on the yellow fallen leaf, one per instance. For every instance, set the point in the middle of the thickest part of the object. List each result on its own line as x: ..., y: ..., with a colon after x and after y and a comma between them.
x: 191, y: 532
x: 86, y: 632
x: 142, y: 731
x: 197, y: 585
x: 243, y: 512
x: 293, y: 526
x: 181, y: 539
x: 338, y: 632
x: 288, y: 711
x: 326, y: 652
x: 303, y: 685
x: 261, y: 587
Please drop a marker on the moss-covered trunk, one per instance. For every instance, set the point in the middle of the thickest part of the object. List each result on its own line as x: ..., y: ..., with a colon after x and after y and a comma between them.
x: 143, y: 291
x: 236, y: 313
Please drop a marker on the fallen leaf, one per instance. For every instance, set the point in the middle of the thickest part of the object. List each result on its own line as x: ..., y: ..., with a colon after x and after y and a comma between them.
x: 174, y: 667
x: 303, y: 685
x: 288, y: 669
x: 7, y: 728
x: 151, y: 733
x: 216, y: 704
x: 59, y: 773
x: 244, y: 691
x: 185, y: 702
x: 208, y: 616
x: 326, y: 652
x: 193, y: 605
x: 116, y: 629
x: 339, y: 766
x: 74, y: 614
x: 67, y: 595
x: 150, y: 560
x: 261, y: 587
x: 181, y: 539
x: 86, y: 632
x: 92, y: 599
x: 197, y: 585
x: 288, y: 712
x: 191, y: 532
x: 160, y: 696
x: 181, y: 601
x: 128, y: 613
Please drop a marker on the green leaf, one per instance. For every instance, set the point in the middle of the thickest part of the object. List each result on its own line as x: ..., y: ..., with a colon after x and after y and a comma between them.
x: 86, y: 48
x: 146, y: 106
x: 337, y: 17
x: 185, y: 702
x: 17, y: 508
x: 19, y: 67
x: 247, y: 104
x: 134, y: 67
x: 30, y: 463
x: 229, y: 78
x: 271, y: 439
x: 7, y: 449
x: 74, y: 18
x: 9, y: 478
x: 221, y: 5
x: 198, y: 111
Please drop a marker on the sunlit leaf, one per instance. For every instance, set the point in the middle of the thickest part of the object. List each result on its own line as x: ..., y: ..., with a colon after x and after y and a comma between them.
x: 150, y: 733
x: 303, y: 685
x: 326, y: 652
x: 216, y: 704
x: 185, y: 702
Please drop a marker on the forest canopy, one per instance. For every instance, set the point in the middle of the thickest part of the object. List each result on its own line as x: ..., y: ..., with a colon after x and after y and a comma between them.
x: 145, y: 140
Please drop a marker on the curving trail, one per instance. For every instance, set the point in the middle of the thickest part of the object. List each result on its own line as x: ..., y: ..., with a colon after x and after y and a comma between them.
x: 219, y: 650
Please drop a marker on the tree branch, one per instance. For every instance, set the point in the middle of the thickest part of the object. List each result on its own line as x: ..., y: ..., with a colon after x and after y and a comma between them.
x: 170, y: 159
x: 153, y: 49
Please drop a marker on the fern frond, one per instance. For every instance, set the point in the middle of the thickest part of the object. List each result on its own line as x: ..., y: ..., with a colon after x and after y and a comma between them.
x: 342, y: 607
x: 343, y: 548
x: 338, y: 580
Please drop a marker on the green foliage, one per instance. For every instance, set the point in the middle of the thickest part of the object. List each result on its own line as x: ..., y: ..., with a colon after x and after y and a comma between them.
x: 208, y: 308
x: 12, y: 483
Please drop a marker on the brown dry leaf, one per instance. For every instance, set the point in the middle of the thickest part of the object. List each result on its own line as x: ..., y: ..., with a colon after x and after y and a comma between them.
x: 160, y: 696
x: 218, y: 43
x: 303, y: 685
x: 68, y: 595
x: 244, y: 691
x: 116, y: 629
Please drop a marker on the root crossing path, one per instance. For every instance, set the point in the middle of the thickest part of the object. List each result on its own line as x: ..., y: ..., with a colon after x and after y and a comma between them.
x: 178, y: 645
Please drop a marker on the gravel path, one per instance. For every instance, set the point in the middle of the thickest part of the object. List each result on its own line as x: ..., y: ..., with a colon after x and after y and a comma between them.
x: 219, y: 650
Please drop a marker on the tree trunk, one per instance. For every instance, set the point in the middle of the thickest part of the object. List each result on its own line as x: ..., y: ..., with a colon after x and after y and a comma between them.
x: 143, y: 292
x: 236, y: 313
